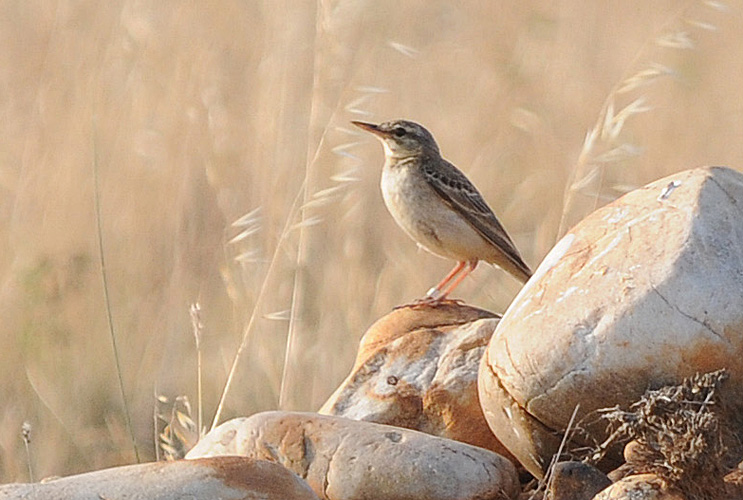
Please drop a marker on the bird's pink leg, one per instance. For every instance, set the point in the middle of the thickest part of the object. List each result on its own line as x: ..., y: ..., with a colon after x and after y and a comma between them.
x: 471, y: 265
x: 435, y: 292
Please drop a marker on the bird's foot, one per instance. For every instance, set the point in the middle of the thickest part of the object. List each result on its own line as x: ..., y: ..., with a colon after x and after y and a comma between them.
x: 433, y: 298
x: 434, y: 294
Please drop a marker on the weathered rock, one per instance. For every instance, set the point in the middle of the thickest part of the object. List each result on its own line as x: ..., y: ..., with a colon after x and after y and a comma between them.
x: 635, y: 452
x: 576, y: 481
x: 643, y: 292
x: 620, y: 472
x: 417, y: 368
x: 639, y: 487
x: 637, y: 456
x: 227, y: 478
x: 344, y: 459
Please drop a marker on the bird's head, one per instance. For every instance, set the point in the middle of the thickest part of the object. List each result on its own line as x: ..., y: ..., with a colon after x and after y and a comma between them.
x: 401, y: 138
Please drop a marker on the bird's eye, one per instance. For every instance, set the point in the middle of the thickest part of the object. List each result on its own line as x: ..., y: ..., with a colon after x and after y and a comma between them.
x: 399, y: 132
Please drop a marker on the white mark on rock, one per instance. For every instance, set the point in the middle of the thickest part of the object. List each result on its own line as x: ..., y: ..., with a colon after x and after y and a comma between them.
x: 557, y: 253
x: 666, y: 192
x: 552, y: 258
x: 567, y: 293
x: 616, y: 216
x: 606, y: 250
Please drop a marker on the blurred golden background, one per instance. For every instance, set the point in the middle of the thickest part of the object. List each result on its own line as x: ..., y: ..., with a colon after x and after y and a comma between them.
x: 194, y: 114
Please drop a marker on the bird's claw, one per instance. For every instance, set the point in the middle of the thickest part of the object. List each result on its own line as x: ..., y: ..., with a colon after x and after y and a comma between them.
x: 431, y: 301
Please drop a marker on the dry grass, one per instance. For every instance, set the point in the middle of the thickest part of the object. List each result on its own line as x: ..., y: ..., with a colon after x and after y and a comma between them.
x: 685, y: 435
x: 203, y: 113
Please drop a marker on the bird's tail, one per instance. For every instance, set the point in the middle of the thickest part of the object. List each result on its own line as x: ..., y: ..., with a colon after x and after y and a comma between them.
x: 517, y: 269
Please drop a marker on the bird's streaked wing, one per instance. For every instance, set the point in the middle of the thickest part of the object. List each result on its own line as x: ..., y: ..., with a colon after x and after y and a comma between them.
x: 459, y: 193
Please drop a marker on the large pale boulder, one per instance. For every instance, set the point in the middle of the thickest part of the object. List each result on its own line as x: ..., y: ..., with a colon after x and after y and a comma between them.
x: 227, y: 478
x: 417, y: 368
x: 643, y: 292
x: 344, y: 459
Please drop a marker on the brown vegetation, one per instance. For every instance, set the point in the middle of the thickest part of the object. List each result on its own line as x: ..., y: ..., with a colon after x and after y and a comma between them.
x: 684, y: 434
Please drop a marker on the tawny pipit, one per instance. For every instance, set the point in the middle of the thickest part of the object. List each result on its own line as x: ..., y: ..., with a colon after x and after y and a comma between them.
x: 438, y: 206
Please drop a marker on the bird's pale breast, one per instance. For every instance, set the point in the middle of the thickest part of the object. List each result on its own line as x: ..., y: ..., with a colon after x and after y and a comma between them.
x: 421, y: 212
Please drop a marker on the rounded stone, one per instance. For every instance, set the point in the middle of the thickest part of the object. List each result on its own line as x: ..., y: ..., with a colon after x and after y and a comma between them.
x: 344, y: 459
x: 642, y: 293
x: 227, y: 478
x: 417, y: 368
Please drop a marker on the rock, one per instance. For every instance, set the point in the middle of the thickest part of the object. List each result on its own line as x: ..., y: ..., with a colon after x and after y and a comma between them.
x: 643, y: 292
x: 639, y: 487
x: 576, y: 481
x: 344, y: 459
x: 620, y: 472
x: 417, y: 368
x: 227, y: 478
x: 636, y: 456
x: 636, y: 452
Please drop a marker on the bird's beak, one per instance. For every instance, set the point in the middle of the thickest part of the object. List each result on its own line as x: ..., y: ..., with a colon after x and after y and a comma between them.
x: 370, y: 127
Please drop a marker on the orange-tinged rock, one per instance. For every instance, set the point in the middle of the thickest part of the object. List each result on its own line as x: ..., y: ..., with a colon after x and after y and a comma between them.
x: 642, y: 293
x: 417, y: 368
x: 639, y: 487
x: 344, y: 459
x: 227, y: 478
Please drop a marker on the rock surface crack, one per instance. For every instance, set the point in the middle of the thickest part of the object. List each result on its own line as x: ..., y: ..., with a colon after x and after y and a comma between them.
x: 689, y: 316
x: 732, y: 198
x: 328, y: 469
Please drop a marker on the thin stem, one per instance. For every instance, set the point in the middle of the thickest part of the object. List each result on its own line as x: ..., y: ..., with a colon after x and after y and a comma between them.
x: 584, y: 159
x: 156, y: 434
x: 109, y: 316
x: 297, y: 303
x: 198, y: 326
x: 26, y: 433
x: 258, y: 304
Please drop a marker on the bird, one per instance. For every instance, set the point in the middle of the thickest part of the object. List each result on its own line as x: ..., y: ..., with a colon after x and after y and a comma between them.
x: 439, y: 208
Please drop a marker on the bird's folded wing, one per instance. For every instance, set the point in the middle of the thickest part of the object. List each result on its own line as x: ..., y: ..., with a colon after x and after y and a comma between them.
x: 459, y: 193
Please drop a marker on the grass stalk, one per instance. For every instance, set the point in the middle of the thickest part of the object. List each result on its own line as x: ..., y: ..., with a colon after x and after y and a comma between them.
x: 547, y: 479
x: 107, y: 300
x: 298, y: 287
x: 26, y: 433
x: 155, y: 431
x: 257, y: 306
x: 198, y: 326
x: 609, y: 125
